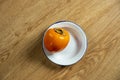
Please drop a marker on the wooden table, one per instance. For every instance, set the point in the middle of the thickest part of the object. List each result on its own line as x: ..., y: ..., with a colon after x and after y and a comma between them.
x: 22, y: 23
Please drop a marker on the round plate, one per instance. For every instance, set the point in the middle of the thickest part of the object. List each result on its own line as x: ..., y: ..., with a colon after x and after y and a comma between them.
x: 75, y: 49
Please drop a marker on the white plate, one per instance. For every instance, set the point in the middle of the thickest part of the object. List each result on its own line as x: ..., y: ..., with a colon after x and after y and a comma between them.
x: 75, y: 49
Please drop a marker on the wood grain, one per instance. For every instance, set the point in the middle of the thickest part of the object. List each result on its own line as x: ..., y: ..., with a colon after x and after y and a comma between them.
x: 22, y: 23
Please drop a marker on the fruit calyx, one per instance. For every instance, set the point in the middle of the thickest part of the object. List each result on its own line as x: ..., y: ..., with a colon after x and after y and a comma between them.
x: 59, y: 31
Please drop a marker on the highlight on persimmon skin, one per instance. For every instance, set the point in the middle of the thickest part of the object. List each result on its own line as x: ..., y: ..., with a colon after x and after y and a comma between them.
x: 56, y: 39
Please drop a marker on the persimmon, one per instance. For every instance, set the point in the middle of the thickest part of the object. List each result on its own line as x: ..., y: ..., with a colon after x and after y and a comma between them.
x: 56, y: 39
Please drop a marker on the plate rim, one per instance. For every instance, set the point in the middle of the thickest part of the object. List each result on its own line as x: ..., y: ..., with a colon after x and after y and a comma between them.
x: 60, y: 22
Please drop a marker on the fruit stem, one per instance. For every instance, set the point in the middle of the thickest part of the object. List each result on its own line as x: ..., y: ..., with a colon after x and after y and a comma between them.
x: 59, y: 31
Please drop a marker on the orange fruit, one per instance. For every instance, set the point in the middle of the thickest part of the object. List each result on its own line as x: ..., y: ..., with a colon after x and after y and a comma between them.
x: 56, y: 39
